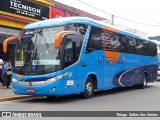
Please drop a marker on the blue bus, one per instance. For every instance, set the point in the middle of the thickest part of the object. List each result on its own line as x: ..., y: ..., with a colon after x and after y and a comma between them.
x: 78, y: 55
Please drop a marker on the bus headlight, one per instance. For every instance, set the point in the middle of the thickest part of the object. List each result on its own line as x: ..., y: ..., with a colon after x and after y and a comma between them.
x: 14, y: 80
x: 39, y: 83
x: 56, y: 78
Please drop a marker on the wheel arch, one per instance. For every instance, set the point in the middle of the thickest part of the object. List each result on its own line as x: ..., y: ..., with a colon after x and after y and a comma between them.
x: 94, y: 77
x: 90, y: 84
x: 146, y: 74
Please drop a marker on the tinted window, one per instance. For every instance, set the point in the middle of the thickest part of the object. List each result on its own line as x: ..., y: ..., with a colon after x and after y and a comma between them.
x: 101, y: 39
x: 110, y: 41
x: 95, y: 40
x: 73, y: 44
x: 137, y: 46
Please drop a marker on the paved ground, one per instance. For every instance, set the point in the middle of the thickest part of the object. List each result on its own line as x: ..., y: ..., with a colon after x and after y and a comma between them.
x: 122, y: 99
x: 7, y: 94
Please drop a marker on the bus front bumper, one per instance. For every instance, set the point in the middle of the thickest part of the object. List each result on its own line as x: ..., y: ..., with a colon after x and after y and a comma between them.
x: 44, y: 90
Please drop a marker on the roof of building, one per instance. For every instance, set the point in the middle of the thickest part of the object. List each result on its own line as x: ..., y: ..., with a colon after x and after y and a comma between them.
x: 76, y: 11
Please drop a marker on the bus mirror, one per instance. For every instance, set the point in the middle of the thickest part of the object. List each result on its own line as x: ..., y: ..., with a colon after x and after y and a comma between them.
x: 59, y: 37
x: 5, y: 43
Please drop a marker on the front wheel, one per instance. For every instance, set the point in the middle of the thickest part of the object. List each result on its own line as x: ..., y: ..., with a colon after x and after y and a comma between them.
x: 89, y: 88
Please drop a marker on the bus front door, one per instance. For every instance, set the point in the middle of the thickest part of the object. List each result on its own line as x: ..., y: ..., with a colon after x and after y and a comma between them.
x: 71, y: 66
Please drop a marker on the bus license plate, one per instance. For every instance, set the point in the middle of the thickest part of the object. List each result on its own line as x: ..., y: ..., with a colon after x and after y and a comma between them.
x: 31, y: 90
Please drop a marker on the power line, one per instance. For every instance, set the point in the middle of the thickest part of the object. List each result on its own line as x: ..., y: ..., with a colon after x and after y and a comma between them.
x: 116, y: 16
x: 94, y: 7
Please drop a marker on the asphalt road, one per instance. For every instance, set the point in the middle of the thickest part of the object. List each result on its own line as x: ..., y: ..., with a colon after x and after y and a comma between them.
x: 121, y: 99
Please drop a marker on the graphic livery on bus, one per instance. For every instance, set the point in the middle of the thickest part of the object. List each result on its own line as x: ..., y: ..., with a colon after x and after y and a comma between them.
x: 78, y: 55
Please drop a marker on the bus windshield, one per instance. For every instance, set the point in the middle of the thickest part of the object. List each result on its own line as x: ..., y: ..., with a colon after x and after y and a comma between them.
x: 35, y: 50
x: 36, y: 53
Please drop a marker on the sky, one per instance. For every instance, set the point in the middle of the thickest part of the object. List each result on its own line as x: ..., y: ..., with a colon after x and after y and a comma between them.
x: 138, y: 11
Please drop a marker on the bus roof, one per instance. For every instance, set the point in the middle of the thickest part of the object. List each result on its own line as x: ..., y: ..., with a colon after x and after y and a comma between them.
x: 82, y: 20
x: 59, y: 21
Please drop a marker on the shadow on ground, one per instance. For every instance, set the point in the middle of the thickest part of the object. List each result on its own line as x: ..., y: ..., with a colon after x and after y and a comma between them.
x: 78, y: 97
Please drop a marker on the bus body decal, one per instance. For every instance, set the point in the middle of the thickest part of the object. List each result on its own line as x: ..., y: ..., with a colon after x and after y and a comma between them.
x: 134, y: 75
x: 112, y: 56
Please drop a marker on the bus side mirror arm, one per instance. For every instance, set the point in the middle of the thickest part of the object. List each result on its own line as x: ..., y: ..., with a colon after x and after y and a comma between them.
x: 59, y: 37
x: 5, y: 43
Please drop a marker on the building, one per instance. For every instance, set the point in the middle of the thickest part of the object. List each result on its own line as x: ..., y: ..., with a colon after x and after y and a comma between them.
x: 15, y: 14
x: 62, y: 10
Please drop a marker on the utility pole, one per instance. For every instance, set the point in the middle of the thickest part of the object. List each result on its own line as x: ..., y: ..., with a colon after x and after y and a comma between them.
x: 112, y: 19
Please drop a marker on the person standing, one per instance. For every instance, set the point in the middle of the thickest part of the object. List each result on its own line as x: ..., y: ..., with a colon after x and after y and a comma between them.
x: 1, y: 68
x: 7, y: 74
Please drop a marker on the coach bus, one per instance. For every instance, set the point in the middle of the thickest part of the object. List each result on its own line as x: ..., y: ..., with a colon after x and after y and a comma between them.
x: 79, y: 55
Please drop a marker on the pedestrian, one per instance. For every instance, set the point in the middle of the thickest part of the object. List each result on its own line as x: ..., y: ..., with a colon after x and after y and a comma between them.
x: 1, y: 68
x: 7, y: 74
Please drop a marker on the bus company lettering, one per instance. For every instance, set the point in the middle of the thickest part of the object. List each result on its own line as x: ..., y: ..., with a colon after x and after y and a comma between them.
x: 112, y: 56
x: 111, y: 60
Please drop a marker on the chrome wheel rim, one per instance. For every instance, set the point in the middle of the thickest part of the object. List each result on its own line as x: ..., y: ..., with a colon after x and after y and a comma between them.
x: 144, y: 81
x: 89, y: 88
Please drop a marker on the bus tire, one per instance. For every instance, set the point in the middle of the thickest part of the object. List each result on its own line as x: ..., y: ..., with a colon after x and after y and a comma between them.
x: 89, y: 88
x: 144, y: 82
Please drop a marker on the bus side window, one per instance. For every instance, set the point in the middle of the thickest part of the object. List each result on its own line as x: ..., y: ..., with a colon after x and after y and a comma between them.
x: 68, y: 51
x: 72, y: 44
x: 69, y: 54
x: 95, y: 40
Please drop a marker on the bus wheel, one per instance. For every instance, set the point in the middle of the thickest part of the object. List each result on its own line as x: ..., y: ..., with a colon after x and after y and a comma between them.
x: 89, y: 88
x: 144, y: 82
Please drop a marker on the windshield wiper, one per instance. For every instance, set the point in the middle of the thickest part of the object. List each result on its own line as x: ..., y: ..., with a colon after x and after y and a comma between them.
x: 47, y: 45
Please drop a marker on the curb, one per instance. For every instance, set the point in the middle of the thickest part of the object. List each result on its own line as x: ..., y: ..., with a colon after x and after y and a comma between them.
x: 15, y: 98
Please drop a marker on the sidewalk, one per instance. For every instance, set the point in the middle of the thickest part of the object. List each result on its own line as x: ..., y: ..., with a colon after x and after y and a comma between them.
x: 8, y: 95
